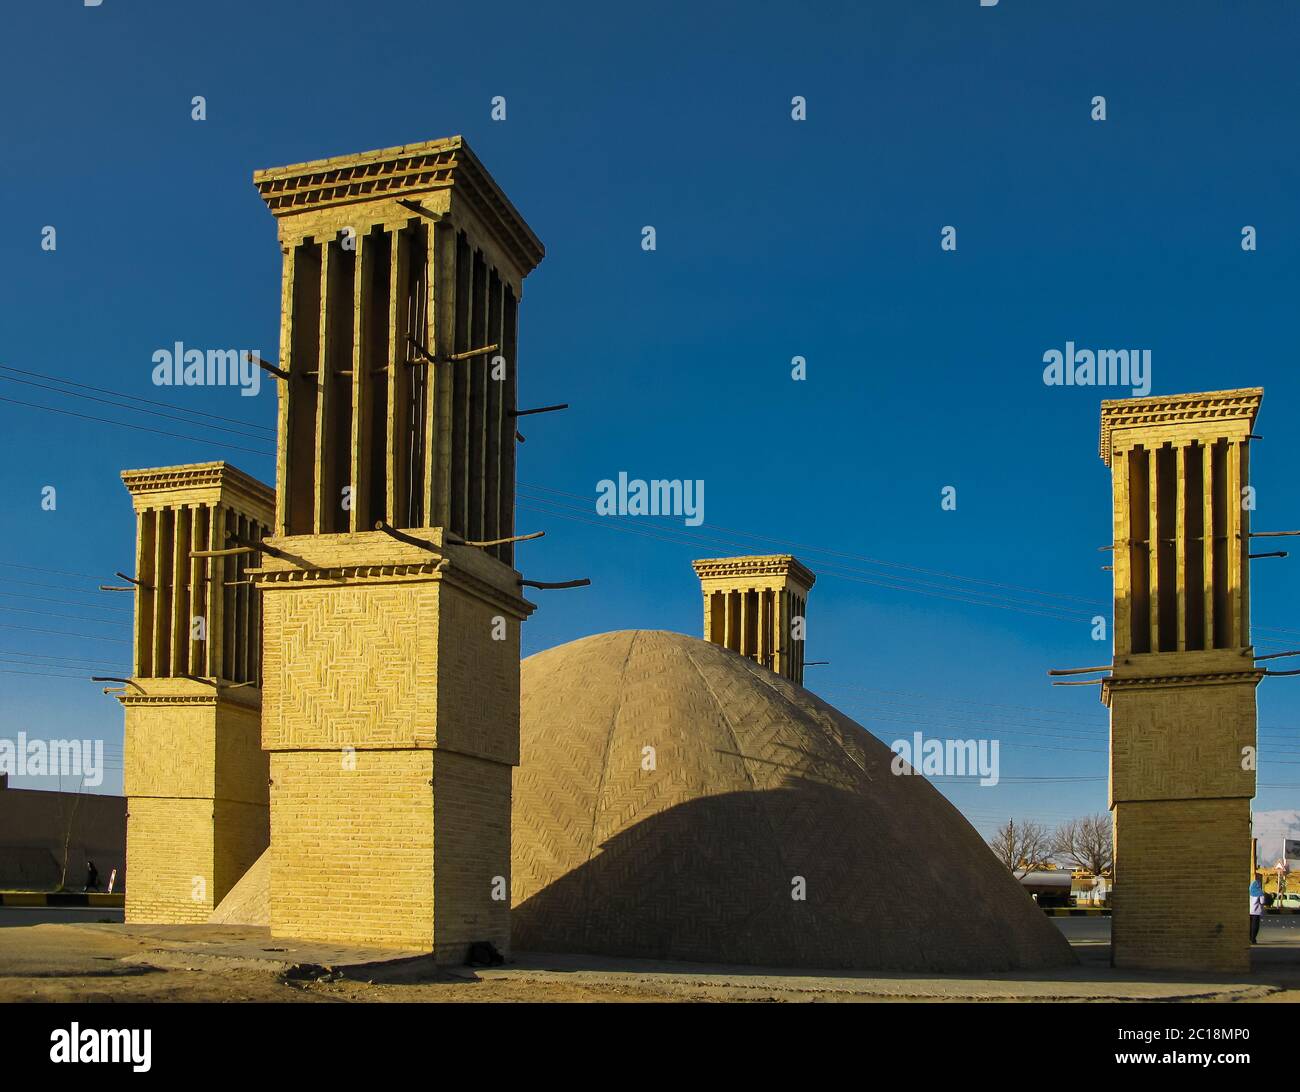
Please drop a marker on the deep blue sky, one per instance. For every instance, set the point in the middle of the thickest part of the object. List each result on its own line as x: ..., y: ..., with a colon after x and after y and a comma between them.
x: 775, y: 238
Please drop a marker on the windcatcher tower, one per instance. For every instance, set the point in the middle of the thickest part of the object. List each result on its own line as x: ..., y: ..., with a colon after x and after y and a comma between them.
x: 392, y: 608
x: 750, y: 604
x: 1182, y: 687
x: 195, y: 774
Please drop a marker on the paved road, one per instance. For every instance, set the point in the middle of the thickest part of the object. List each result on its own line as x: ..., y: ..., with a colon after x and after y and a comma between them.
x: 41, y: 915
x: 1281, y: 930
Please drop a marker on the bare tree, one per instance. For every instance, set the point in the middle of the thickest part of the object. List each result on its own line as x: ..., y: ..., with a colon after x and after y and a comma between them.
x: 1087, y: 843
x: 1022, y: 844
x: 67, y: 839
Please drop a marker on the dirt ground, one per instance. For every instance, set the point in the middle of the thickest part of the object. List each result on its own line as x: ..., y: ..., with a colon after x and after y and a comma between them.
x: 65, y: 963
x: 90, y: 962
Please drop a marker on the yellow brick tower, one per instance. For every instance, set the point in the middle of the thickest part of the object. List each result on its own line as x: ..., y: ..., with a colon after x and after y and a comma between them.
x: 1182, y: 687
x: 392, y: 608
x: 195, y: 774
x: 750, y: 607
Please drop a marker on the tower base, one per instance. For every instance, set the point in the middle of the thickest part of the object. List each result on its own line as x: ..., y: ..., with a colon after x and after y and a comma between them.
x: 392, y: 717
x: 1182, y: 872
x: 196, y: 788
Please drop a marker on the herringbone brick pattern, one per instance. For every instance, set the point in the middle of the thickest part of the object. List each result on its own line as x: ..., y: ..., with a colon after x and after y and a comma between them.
x: 1183, y: 742
x: 380, y: 650
x: 755, y: 783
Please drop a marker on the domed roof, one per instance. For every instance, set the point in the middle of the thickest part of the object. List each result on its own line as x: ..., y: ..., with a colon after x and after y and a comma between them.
x: 670, y: 792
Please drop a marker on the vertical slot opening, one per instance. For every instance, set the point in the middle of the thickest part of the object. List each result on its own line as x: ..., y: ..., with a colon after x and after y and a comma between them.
x: 477, y: 369
x: 216, y: 592
x: 377, y: 361
x: 198, y: 588
x: 753, y: 606
x: 336, y: 459
x: 417, y: 325
x: 180, y: 660
x: 496, y: 421
x: 509, y: 391
x: 460, y: 395
x: 1167, y: 548
x: 1242, y: 545
x: 1219, y: 507
x: 302, y: 393
x: 146, y: 594
x: 241, y: 606
x: 229, y: 618
x: 1194, y: 545
x: 1139, y: 550
x: 406, y: 360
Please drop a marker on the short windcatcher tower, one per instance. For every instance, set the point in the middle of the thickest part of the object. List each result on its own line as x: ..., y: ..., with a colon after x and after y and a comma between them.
x: 195, y: 773
x: 757, y: 606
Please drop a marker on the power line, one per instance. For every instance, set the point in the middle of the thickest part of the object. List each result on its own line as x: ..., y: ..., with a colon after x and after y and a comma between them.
x: 43, y: 674
x: 74, y: 617
x: 124, y: 394
x: 54, y: 572
x: 970, y: 701
x: 137, y: 428
x: 130, y: 408
x: 1040, y: 610
x: 880, y: 562
x: 64, y: 633
x: 958, y: 593
x: 70, y: 660
x: 63, y: 602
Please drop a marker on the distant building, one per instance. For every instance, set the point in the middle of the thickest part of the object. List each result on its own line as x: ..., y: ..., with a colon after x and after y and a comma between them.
x: 1048, y: 887
x: 37, y: 827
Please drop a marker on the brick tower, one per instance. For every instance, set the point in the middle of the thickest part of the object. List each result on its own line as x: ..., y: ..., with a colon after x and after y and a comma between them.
x: 749, y: 603
x: 392, y: 608
x: 1182, y: 687
x: 195, y: 774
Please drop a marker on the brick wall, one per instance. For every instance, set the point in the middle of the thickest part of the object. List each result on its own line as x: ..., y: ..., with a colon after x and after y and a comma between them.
x: 352, y: 849
x: 169, y: 859
x: 196, y: 786
x: 1180, y: 791
x: 34, y: 824
x: 1159, y: 920
x: 471, y: 799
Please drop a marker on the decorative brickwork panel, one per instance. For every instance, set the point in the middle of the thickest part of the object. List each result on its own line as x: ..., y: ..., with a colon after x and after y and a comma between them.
x: 675, y: 800
x: 1182, y: 742
x: 478, y: 678
x: 170, y: 749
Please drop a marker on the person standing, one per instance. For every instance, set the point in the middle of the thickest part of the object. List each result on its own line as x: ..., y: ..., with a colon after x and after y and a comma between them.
x: 1256, y: 909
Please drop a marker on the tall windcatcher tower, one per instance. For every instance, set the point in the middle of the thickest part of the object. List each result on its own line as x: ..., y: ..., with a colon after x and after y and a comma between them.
x: 392, y: 609
x: 756, y: 606
x: 195, y: 773
x: 1181, y: 691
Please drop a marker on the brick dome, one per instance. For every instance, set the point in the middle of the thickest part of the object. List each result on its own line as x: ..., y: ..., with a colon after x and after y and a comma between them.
x: 670, y: 792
